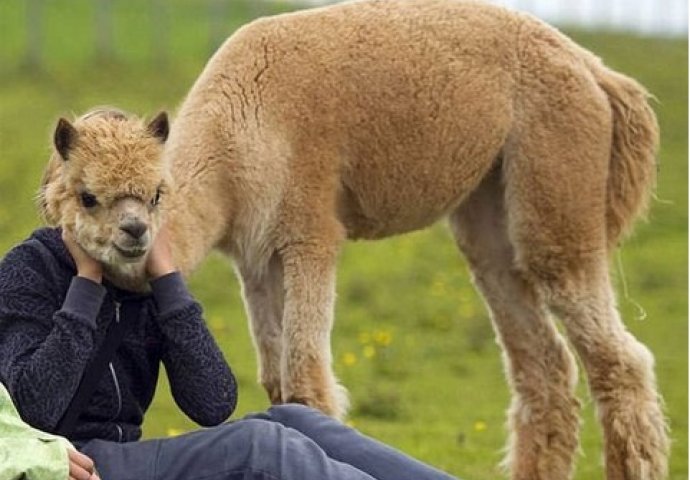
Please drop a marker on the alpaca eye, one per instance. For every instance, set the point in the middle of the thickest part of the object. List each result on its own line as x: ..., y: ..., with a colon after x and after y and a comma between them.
x: 88, y: 200
x: 156, y: 198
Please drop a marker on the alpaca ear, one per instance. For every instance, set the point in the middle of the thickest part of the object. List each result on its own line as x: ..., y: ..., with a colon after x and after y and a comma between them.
x: 64, y: 137
x: 159, y: 127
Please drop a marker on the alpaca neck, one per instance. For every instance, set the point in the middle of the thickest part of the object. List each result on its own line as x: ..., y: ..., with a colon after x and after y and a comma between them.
x: 197, y: 208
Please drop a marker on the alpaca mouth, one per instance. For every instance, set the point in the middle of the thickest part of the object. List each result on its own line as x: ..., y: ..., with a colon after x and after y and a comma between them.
x: 130, y: 253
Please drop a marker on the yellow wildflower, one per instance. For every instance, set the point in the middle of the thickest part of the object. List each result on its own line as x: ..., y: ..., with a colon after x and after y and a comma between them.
x: 383, y: 337
x: 479, y: 426
x: 369, y: 351
x: 349, y: 359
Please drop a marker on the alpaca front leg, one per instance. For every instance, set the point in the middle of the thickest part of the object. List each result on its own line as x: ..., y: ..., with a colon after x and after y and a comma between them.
x: 307, y: 376
x: 263, y: 295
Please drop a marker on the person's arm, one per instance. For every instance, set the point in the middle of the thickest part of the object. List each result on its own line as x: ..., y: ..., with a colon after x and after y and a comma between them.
x: 32, y: 458
x: 28, y: 453
x: 44, y: 345
x: 201, y: 381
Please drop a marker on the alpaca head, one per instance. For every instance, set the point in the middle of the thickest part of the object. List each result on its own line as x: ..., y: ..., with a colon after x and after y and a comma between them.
x: 104, y: 182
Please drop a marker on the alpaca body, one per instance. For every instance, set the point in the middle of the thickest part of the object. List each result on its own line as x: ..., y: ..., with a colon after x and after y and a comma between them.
x: 430, y: 132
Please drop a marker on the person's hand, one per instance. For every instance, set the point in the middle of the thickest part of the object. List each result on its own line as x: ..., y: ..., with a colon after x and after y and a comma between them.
x: 87, y: 266
x: 81, y: 467
x: 160, y: 260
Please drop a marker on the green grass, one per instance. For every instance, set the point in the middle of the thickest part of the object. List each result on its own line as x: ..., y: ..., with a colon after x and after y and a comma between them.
x: 412, y: 340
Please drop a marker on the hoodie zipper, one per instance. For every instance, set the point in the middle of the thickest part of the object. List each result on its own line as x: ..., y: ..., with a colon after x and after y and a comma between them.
x: 115, y: 381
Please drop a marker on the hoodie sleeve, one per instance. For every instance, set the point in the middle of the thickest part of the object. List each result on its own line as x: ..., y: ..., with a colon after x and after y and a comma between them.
x: 45, y: 343
x: 201, y: 381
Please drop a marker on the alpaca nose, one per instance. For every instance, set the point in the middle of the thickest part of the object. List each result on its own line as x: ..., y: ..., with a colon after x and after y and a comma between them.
x: 135, y: 229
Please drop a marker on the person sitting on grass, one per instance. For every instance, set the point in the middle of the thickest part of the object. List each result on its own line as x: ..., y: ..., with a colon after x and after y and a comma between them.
x: 56, y: 308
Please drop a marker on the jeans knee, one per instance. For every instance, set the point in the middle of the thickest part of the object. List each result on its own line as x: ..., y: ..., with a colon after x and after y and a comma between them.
x: 255, y: 437
x: 257, y: 430
x: 291, y: 413
x: 292, y: 409
x: 253, y: 446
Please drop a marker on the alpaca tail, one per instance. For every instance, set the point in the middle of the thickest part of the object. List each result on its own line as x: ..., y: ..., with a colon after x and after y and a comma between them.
x: 635, y: 140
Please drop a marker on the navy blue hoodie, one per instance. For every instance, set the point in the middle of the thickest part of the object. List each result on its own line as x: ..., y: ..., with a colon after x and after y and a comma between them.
x: 52, y: 322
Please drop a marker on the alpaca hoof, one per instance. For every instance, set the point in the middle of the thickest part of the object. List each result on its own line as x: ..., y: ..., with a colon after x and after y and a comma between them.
x: 272, y: 388
x: 637, y: 444
x: 333, y: 402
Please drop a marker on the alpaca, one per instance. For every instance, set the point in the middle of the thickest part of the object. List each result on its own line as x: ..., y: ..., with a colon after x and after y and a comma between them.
x: 373, y: 118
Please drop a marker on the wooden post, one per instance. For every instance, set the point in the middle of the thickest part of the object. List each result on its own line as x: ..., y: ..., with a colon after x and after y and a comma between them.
x: 159, y: 32
x: 104, y: 30
x: 34, y: 24
x: 217, y: 10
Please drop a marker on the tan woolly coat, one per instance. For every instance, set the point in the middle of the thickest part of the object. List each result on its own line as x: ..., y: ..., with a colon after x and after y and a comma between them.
x: 374, y: 118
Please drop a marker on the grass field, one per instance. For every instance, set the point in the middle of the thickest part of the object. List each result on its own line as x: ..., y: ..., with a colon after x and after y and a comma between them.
x: 412, y: 340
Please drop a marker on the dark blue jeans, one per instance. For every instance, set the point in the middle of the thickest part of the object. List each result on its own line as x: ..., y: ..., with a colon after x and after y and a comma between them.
x: 288, y: 442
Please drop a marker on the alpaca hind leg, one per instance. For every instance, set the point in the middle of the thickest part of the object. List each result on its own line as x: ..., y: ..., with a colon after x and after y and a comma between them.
x: 621, y: 376
x: 555, y: 177
x: 542, y: 372
x: 264, y: 296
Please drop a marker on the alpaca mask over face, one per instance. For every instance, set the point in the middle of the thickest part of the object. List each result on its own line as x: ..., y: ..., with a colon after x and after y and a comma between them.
x: 104, y: 183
